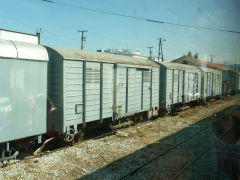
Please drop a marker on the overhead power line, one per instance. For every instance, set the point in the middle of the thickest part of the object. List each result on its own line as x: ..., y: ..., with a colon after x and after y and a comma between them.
x: 18, y: 22
x: 60, y: 35
x: 34, y: 26
x: 140, y: 18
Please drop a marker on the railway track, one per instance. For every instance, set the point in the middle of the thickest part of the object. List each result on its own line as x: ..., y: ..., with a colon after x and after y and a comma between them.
x: 193, y: 141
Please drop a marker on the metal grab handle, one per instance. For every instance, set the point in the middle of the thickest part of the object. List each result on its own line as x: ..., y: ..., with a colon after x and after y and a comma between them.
x: 76, y: 109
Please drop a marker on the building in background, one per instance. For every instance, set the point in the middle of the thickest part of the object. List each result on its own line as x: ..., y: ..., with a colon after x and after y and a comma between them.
x: 128, y: 52
x: 236, y: 67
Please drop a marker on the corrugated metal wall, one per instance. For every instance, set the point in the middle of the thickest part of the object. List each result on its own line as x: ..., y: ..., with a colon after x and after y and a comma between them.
x: 186, y: 85
x: 138, y: 90
x: 180, y: 86
x: 72, y: 92
x: 190, y: 86
x: 209, y: 84
x: 169, y: 90
x: 162, y: 92
x: 205, y: 85
x: 155, y: 87
x: 175, y: 87
x: 92, y: 91
x: 131, y: 90
x: 146, y: 89
x: 121, y: 90
x: 216, y: 84
x: 107, y: 101
x: 193, y: 85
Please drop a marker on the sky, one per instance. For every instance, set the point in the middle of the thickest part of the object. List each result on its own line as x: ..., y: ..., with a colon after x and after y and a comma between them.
x: 60, y: 25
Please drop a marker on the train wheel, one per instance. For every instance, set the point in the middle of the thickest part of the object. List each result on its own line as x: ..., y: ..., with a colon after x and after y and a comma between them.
x: 170, y: 110
x: 69, y: 137
x: 162, y: 112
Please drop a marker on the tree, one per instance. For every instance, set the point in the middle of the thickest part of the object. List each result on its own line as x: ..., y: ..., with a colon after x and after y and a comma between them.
x: 196, y: 55
x: 189, y: 53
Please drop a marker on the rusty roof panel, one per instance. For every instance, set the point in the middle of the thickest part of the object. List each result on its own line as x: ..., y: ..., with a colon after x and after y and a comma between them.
x: 203, y: 63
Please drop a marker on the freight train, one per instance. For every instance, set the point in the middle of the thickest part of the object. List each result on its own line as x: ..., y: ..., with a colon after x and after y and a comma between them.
x: 61, y: 91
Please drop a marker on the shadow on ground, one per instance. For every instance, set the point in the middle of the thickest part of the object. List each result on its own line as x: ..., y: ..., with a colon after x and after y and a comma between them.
x: 167, y: 166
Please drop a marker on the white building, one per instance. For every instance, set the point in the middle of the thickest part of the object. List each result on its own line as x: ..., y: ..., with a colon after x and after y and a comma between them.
x: 128, y: 52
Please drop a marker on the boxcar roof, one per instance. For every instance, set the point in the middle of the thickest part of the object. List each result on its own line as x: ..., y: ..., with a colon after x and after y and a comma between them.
x: 76, y: 54
x: 206, y: 69
x: 21, y: 50
x: 171, y: 65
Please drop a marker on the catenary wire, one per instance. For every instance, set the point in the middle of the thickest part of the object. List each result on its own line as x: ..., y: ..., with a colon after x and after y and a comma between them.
x: 140, y: 18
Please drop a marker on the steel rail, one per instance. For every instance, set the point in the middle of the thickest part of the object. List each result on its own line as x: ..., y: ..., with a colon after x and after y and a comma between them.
x: 198, y: 156
x: 168, y: 150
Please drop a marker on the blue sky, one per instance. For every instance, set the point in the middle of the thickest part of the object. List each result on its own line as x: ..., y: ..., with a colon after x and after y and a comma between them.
x: 61, y: 23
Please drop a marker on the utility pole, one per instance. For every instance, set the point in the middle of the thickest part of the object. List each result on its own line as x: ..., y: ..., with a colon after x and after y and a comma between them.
x: 150, y: 52
x: 83, y: 38
x: 160, y: 51
x: 159, y: 48
x: 212, y: 57
x: 38, y: 34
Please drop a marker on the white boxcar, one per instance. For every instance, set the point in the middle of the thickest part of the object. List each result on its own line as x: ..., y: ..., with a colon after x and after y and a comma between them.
x: 180, y: 84
x: 211, y: 83
x: 23, y: 90
x: 90, y: 87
